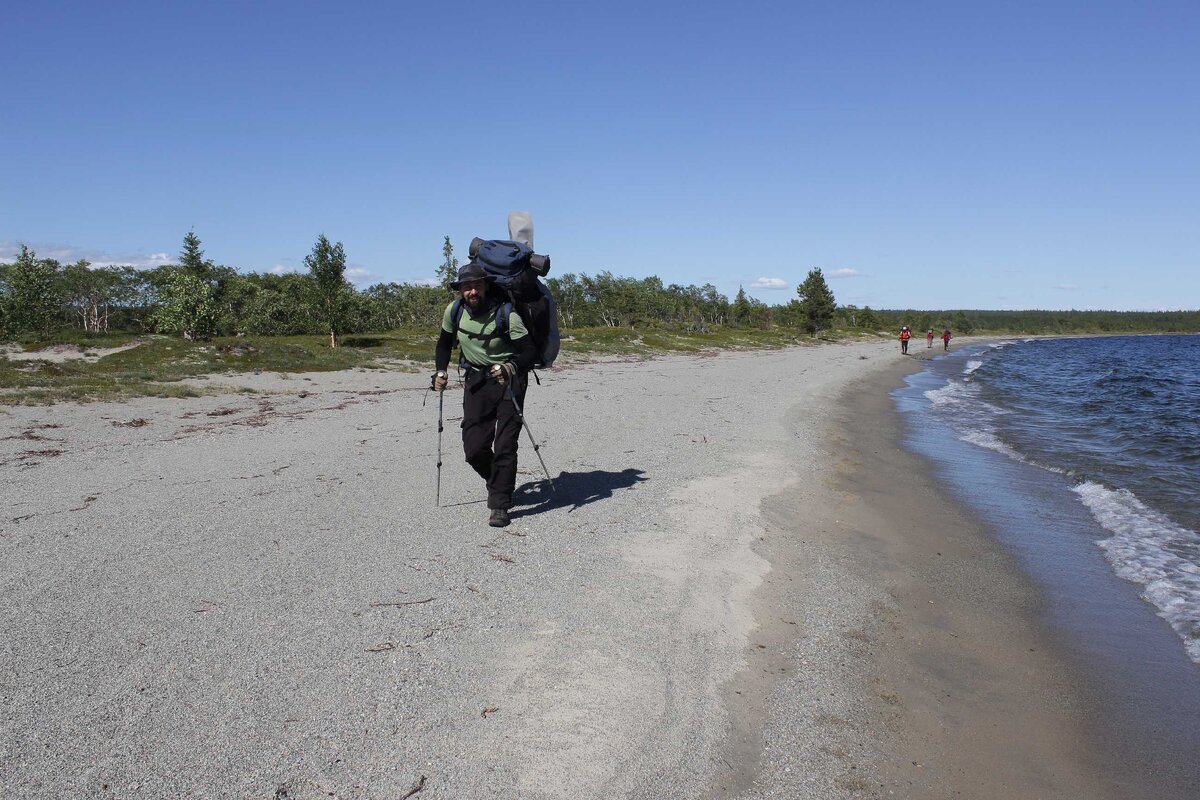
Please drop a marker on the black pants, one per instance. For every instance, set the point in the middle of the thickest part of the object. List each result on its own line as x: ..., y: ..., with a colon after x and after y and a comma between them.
x: 491, y: 431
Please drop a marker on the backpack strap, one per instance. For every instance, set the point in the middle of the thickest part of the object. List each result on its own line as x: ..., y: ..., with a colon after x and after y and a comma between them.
x: 502, y: 315
x: 503, y: 312
x: 456, y: 312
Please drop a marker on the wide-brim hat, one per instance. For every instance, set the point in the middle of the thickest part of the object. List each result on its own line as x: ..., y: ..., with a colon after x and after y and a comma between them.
x: 471, y: 271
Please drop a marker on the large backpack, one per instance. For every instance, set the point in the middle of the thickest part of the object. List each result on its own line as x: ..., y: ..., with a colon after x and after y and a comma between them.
x: 514, y: 268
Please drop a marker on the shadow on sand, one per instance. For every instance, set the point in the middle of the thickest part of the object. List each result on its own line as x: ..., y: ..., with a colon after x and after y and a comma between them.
x: 573, y: 489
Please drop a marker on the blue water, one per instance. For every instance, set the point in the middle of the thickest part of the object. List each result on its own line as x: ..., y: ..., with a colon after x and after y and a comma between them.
x: 1119, y: 419
x: 1082, y: 457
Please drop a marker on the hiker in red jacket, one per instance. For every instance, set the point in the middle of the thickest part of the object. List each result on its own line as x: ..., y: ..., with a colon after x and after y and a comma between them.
x: 946, y: 340
x: 905, y: 335
x: 929, y: 338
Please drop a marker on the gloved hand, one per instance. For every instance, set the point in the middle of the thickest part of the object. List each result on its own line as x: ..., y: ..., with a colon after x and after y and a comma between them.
x: 439, y: 381
x: 503, y: 373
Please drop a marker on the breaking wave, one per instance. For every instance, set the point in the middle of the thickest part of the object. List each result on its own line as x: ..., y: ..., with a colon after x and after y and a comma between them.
x: 1151, y: 550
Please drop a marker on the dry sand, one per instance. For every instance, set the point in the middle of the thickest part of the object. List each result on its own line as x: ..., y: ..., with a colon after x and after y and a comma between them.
x: 254, y: 595
x: 59, y: 353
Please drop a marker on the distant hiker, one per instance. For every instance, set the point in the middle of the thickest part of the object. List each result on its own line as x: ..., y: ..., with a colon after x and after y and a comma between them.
x: 946, y: 340
x: 492, y: 361
x: 929, y: 338
x: 905, y: 335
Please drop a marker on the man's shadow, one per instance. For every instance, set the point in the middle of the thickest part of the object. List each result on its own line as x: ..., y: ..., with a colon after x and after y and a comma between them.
x: 573, y: 490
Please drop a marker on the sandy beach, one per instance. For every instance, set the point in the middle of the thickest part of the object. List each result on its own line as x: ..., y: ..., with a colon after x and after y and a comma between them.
x: 740, y: 586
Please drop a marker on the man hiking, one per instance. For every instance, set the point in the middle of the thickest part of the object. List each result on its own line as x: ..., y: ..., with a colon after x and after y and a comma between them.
x: 905, y: 335
x: 496, y: 365
x: 946, y: 339
x: 929, y: 338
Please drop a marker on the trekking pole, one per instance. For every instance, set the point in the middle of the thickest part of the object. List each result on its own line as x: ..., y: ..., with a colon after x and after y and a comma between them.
x: 438, y: 496
x: 536, y: 447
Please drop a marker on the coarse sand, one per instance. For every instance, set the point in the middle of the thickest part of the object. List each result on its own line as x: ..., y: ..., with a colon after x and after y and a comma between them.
x: 254, y: 594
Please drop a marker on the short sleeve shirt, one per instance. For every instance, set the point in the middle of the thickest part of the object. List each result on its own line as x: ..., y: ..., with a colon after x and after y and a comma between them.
x: 477, y: 337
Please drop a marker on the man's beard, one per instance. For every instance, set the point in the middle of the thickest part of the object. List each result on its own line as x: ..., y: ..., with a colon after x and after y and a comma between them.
x: 476, y: 302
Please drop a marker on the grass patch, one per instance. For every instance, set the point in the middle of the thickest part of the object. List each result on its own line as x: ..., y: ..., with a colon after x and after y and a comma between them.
x: 155, y: 367
x: 653, y: 341
x: 31, y: 341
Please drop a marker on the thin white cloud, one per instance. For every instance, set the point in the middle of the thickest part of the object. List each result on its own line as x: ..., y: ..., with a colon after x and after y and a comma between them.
x: 425, y: 282
x: 769, y: 283
x: 69, y: 254
x: 140, y: 262
x: 282, y: 269
x: 360, y: 275
x: 844, y: 272
x: 1068, y: 287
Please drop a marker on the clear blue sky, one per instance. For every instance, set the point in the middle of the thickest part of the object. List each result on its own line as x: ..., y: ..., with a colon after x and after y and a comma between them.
x: 934, y: 155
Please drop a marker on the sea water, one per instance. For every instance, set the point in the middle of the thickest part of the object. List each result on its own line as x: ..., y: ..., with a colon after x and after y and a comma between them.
x: 1082, y: 455
x: 1119, y: 417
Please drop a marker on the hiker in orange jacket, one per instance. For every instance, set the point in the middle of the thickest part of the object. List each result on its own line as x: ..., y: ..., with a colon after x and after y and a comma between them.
x: 905, y: 335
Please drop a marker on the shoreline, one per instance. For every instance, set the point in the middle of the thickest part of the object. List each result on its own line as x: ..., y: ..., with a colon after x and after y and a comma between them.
x: 933, y: 675
x: 1134, y: 687
x: 987, y: 702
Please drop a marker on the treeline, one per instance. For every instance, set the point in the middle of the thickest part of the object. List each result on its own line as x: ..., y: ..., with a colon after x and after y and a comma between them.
x: 1029, y: 322
x: 198, y: 299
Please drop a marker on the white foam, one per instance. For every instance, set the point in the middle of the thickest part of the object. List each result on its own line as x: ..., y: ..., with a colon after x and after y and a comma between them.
x: 972, y: 365
x: 952, y: 392
x: 989, y: 440
x: 1049, y: 468
x: 1148, y: 548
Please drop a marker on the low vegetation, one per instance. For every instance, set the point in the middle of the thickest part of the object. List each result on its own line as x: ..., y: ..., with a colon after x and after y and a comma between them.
x: 159, y: 365
x: 196, y: 318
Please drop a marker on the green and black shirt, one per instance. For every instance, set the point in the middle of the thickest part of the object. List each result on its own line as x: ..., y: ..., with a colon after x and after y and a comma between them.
x: 479, y: 342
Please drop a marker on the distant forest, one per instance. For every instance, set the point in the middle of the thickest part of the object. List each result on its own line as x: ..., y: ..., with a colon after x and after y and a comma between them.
x: 198, y: 299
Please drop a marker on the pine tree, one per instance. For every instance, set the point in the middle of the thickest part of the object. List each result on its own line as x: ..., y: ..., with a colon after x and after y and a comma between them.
x: 448, y: 271
x: 816, y: 302
x: 188, y: 294
x: 191, y: 258
x: 741, y: 308
x: 329, y: 290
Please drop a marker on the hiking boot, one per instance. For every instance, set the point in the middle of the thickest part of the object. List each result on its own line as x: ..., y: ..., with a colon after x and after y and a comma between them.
x: 498, y: 518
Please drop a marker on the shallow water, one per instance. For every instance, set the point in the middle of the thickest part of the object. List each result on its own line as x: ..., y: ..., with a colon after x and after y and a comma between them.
x: 1081, y: 456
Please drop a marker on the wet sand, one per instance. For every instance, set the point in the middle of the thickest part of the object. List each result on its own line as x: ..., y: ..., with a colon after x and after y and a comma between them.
x: 930, y: 675
x: 984, y: 702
